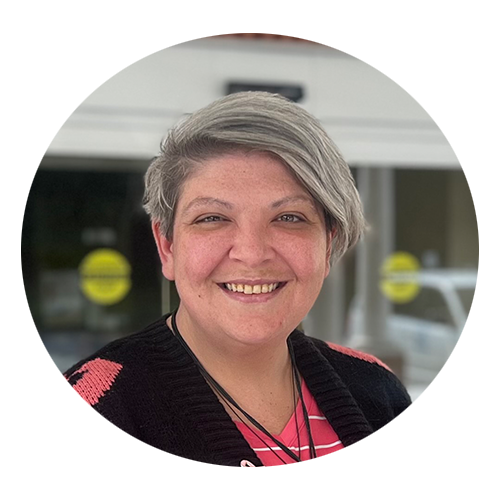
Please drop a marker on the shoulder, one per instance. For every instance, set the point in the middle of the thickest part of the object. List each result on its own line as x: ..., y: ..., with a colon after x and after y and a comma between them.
x: 342, y: 357
x: 131, y: 346
x: 362, y: 372
x: 97, y: 373
x: 347, y: 351
x: 350, y: 364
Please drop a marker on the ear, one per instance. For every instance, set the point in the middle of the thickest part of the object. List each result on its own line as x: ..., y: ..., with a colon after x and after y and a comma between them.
x: 329, y: 247
x: 165, y: 251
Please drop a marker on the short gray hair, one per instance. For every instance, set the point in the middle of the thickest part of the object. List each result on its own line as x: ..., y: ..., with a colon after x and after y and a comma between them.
x: 264, y: 122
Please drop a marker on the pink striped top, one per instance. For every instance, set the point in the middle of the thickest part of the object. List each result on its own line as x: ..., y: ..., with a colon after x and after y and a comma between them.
x: 324, y: 437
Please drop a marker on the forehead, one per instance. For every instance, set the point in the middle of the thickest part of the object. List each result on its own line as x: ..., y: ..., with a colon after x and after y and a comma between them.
x: 241, y: 175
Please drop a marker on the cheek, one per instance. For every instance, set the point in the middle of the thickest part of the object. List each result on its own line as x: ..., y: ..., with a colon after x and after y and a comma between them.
x: 199, y: 256
x: 307, y: 257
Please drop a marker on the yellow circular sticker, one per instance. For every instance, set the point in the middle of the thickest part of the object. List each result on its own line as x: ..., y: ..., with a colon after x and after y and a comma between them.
x: 105, y: 276
x: 399, y: 277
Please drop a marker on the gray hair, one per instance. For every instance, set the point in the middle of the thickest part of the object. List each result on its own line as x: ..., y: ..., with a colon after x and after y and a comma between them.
x: 258, y: 121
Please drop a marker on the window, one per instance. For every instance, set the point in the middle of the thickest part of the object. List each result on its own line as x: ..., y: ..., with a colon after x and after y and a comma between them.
x: 429, y: 305
x: 466, y: 295
x: 71, y: 210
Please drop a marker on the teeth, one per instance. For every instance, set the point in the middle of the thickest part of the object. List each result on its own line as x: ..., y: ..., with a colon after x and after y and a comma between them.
x: 249, y: 289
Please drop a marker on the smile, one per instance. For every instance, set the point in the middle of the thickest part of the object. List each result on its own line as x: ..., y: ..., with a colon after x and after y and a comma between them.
x: 250, y: 293
x: 249, y: 289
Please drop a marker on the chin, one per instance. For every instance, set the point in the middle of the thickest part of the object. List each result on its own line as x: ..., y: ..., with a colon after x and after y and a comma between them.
x: 257, y: 333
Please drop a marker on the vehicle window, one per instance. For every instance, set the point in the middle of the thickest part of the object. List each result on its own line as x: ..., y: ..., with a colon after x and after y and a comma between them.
x: 466, y: 295
x: 428, y: 305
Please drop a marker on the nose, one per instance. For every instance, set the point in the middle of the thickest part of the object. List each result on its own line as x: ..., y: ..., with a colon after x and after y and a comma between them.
x: 251, y: 245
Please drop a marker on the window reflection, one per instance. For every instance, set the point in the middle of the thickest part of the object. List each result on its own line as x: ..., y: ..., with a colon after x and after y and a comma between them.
x: 466, y: 295
x: 429, y: 305
x: 74, y: 207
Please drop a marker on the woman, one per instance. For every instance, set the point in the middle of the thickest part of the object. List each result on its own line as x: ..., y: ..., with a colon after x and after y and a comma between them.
x: 251, y: 203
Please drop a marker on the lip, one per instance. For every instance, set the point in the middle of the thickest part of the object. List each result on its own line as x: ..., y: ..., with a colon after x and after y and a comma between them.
x: 239, y: 281
x: 253, y: 298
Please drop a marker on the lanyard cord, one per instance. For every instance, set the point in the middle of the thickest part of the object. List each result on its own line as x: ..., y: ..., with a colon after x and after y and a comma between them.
x: 229, y: 399
x: 297, y: 431
x: 312, y: 449
x: 249, y: 427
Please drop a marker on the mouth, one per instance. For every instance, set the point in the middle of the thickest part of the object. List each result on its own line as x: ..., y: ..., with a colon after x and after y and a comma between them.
x: 259, y: 292
x: 252, y: 289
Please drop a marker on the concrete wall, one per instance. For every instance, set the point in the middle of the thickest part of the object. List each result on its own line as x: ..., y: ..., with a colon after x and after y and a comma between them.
x: 370, y: 117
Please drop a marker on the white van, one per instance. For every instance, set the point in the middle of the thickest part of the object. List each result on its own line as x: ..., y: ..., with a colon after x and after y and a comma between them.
x: 426, y: 329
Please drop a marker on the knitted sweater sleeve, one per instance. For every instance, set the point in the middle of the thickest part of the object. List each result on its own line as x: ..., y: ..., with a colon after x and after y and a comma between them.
x: 76, y: 423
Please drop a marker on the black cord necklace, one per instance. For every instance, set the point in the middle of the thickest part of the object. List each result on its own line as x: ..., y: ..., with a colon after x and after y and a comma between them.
x: 231, y: 402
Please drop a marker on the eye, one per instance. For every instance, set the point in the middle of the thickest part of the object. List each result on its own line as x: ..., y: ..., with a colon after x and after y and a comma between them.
x: 210, y: 218
x: 290, y: 218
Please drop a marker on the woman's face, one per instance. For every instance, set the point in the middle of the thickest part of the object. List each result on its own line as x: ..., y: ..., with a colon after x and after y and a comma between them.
x: 243, y: 221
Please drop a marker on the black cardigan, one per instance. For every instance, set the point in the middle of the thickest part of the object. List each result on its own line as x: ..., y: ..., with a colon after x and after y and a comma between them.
x: 148, y: 386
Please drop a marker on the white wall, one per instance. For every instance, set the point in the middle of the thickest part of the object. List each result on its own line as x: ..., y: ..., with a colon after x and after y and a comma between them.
x: 371, y: 118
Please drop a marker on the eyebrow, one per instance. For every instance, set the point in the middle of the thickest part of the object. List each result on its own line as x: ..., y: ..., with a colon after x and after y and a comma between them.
x: 203, y: 201
x: 293, y: 199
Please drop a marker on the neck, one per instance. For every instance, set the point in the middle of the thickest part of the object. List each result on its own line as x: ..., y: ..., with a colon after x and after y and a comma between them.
x: 234, y: 364
x: 258, y: 378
